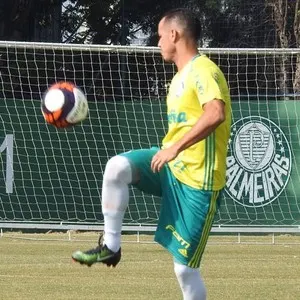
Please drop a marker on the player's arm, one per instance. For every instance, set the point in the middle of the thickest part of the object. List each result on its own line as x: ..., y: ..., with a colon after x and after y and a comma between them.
x: 212, y: 117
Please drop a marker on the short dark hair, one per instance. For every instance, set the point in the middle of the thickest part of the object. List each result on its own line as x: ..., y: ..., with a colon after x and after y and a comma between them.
x: 187, y: 19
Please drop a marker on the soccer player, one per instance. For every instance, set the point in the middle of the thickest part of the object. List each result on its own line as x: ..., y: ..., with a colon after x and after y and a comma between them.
x: 188, y: 172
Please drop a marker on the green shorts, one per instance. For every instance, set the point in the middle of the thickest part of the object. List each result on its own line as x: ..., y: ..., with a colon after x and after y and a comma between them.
x: 186, y: 214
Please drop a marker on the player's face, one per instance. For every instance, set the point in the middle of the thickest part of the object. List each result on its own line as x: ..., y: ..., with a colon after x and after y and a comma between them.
x: 166, y: 40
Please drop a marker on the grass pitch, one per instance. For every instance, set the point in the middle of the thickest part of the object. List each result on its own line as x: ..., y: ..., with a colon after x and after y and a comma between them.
x: 42, y: 269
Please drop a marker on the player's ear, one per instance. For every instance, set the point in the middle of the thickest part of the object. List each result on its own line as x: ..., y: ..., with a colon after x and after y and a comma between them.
x: 174, y: 35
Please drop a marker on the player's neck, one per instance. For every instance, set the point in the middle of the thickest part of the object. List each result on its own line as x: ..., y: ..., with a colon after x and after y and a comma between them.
x: 184, y: 56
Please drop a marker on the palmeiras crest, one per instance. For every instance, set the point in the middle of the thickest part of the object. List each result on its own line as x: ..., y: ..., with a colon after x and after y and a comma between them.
x: 258, y: 161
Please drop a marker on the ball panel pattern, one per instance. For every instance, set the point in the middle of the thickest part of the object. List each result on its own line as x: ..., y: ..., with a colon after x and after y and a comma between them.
x: 74, y: 109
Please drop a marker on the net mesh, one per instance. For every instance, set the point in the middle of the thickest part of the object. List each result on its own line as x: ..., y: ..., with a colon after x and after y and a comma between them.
x: 56, y: 175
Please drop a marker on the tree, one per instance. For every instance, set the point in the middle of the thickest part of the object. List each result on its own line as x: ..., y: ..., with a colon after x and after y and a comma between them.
x: 112, y: 21
x: 225, y: 23
x: 286, y: 18
x: 239, y: 24
x: 30, y: 20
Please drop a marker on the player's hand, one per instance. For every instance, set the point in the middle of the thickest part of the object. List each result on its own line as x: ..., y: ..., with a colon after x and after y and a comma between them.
x: 162, y: 157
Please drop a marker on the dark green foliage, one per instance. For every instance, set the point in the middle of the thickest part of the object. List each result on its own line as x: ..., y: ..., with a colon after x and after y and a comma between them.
x: 226, y: 23
x: 30, y: 20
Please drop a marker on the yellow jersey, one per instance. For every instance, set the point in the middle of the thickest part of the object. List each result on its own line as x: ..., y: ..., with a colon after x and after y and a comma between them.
x: 203, y: 165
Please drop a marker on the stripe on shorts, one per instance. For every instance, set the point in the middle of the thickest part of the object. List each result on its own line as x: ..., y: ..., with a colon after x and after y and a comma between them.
x: 195, y: 260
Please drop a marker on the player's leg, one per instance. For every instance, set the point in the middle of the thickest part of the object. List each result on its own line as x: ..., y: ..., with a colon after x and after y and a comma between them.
x: 132, y: 167
x: 128, y: 168
x: 117, y: 176
x: 190, y: 282
x: 115, y: 197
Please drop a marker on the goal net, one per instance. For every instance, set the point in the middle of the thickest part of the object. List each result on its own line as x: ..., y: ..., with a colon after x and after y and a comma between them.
x: 51, y: 175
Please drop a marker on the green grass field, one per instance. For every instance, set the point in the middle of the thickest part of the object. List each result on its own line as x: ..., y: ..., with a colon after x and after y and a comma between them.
x: 42, y: 269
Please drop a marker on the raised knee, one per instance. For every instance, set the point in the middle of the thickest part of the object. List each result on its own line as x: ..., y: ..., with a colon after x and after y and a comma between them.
x: 118, y: 169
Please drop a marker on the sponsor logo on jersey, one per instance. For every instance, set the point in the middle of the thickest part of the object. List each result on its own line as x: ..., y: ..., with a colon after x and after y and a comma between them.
x: 174, y: 117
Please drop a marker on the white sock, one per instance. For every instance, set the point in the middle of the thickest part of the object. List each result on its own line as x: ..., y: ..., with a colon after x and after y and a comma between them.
x: 190, y: 281
x: 115, y: 197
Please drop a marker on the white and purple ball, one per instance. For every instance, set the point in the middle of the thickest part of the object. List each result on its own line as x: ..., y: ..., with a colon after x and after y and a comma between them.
x: 64, y: 104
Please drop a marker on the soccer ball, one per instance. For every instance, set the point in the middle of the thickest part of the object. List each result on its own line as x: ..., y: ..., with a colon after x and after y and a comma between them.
x: 64, y: 104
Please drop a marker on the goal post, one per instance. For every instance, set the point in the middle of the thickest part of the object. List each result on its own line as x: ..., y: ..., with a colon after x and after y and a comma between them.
x: 52, y: 177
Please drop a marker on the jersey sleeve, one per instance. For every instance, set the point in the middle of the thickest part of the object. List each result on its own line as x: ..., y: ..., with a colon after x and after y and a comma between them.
x: 206, y: 86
